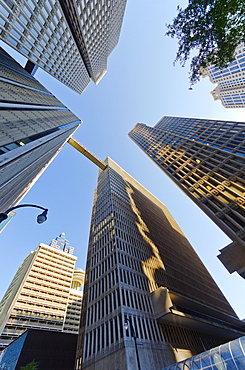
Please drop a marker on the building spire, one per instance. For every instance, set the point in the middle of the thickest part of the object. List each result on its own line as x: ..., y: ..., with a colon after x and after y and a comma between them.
x: 62, y: 243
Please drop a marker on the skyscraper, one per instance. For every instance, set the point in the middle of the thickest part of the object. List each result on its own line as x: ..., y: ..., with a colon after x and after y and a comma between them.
x: 231, y: 80
x: 34, y: 126
x: 141, y: 269
x: 44, y: 294
x: 70, y: 39
x: 206, y: 159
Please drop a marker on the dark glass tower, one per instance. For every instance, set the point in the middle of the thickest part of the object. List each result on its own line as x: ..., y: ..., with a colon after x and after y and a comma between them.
x: 206, y: 159
x: 34, y: 126
x: 141, y: 269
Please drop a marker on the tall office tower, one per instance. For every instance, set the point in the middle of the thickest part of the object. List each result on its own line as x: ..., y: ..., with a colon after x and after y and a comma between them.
x: 206, y: 159
x: 44, y: 294
x: 70, y: 39
x: 231, y: 80
x: 34, y: 126
x: 142, y: 270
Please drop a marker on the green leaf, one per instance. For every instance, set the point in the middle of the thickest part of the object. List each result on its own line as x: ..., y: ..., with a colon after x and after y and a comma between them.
x: 31, y: 366
x: 212, y: 29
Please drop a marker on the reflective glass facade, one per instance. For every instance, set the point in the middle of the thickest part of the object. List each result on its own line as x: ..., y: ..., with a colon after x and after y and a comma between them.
x: 34, y: 126
x: 206, y: 159
x: 227, y: 356
x: 231, y: 80
x: 140, y: 266
x: 71, y: 40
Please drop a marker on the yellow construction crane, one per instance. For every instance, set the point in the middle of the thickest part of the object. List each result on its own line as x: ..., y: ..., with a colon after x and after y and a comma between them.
x: 73, y: 142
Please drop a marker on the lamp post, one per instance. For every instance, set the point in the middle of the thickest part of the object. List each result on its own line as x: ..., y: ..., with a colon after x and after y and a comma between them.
x: 40, y: 218
x: 128, y: 323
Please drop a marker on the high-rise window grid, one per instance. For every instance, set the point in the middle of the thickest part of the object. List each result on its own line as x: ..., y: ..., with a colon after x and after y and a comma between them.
x: 42, y: 288
x: 206, y: 158
x: 44, y: 294
x: 101, y: 24
x: 34, y: 126
x: 203, y: 161
x: 231, y: 80
x: 128, y: 223
x: 70, y: 42
x: 56, y: 51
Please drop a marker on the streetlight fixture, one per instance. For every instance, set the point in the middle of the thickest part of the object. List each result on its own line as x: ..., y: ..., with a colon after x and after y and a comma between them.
x: 128, y: 323
x: 40, y: 218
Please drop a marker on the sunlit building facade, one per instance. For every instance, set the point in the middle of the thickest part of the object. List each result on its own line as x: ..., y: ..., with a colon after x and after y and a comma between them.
x: 70, y: 39
x: 34, y: 127
x: 44, y: 294
x: 231, y: 80
x: 206, y: 159
x: 141, y: 269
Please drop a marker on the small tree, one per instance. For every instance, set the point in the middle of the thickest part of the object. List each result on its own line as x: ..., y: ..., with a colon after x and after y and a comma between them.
x: 31, y: 366
x: 212, y: 27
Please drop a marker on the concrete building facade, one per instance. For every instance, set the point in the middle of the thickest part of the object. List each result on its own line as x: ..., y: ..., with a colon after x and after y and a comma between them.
x: 206, y: 159
x: 142, y: 271
x: 70, y: 39
x: 44, y: 294
x: 34, y: 126
x: 231, y: 80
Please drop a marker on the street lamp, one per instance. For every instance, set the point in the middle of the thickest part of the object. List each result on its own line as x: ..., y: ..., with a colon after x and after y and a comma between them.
x: 40, y: 218
x: 128, y: 323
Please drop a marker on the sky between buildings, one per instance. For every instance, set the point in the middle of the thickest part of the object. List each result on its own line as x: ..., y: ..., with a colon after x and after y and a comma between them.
x: 141, y: 85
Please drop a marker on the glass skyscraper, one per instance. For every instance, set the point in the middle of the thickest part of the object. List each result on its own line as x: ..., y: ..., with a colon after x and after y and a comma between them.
x: 206, y: 159
x: 70, y: 39
x: 230, y: 80
x: 142, y: 270
x: 34, y: 126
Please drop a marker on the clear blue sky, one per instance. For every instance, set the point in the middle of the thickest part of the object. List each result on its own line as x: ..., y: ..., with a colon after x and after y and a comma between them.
x: 141, y: 85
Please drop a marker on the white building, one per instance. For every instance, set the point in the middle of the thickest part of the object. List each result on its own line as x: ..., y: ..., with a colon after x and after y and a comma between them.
x: 70, y: 39
x: 44, y: 294
x: 231, y: 80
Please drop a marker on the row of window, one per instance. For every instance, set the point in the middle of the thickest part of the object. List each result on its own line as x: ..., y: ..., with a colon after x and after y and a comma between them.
x: 43, y: 281
x: 102, y: 267
x: 28, y: 296
x: 103, y: 307
x: 105, y: 335
x: 112, y: 331
x: 103, y: 285
x: 181, y: 337
x: 57, y: 60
